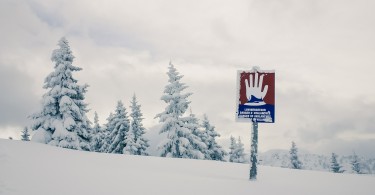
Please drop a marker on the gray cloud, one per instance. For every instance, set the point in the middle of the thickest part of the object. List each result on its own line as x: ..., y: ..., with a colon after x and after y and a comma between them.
x: 334, y: 120
x: 346, y: 147
x: 52, y: 17
x: 17, y: 100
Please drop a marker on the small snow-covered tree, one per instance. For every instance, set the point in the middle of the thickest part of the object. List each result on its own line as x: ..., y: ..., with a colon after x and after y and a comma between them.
x: 131, y: 146
x: 104, y: 135
x: 240, y: 152
x: 356, y: 167
x: 236, y: 153
x: 118, y: 128
x: 177, y: 144
x: 214, y: 150
x: 335, y: 166
x: 232, y: 149
x: 294, y: 161
x: 25, y: 136
x: 96, y: 127
x: 62, y: 120
x: 137, y: 127
x: 98, y: 135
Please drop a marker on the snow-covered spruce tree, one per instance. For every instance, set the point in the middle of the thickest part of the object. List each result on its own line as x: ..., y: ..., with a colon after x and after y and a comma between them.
x: 118, y: 128
x: 214, y: 150
x: 131, y: 146
x: 105, y: 141
x: 356, y: 164
x: 25, y: 136
x: 335, y: 166
x: 236, y: 153
x: 137, y: 127
x: 98, y: 135
x: 62, y: 120
x: 179, y: 136
x: 232, y: 149
x: 294, y: 161
x: 198, y: 147
x: 96, y: 127
x: 240, y: 152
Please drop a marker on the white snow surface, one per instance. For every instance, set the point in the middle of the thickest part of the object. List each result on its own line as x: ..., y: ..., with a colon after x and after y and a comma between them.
x: 34, y: 168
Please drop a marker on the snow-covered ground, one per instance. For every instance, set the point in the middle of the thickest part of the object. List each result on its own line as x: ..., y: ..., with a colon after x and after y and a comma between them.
x: 31, y: 168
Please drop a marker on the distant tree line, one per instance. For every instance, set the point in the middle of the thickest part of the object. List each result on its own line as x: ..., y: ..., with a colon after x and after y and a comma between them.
x: 335, y: 166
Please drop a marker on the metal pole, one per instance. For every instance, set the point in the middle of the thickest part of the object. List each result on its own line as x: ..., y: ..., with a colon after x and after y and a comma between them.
x: 254, y: 151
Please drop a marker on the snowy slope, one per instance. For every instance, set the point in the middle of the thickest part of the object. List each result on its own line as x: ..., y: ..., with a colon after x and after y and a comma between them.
x: 31, y: 168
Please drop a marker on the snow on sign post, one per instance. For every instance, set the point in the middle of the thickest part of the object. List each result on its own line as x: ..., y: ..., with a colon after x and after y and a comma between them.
x: 256, y: 104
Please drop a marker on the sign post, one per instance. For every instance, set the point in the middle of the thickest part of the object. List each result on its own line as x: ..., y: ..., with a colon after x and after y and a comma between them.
x: 255, y: 104
x: 254, y: 152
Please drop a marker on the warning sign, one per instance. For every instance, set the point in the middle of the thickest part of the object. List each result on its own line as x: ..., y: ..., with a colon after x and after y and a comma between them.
x: 256, y: 96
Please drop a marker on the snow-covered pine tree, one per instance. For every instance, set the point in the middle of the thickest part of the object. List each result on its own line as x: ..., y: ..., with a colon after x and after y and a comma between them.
x: 104, y: 136
x: 240, y: 152
x: 335, y: 166
x: 356, y: 164
x: 236, y: 153
x: 177, y: 144
x: 96, y: 127
x: 294, y: 161
x: 62, y: 120
x: 214, y: 150
x: 232, y: 149
x: 137, y: 127
x: 118, y: 127
x: 131, y: 146
x: 25, y: 136
x: 198, y: 147
x: 98, y: 135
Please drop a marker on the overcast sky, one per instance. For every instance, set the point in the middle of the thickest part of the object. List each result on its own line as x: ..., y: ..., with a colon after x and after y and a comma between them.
x: 323, y: 54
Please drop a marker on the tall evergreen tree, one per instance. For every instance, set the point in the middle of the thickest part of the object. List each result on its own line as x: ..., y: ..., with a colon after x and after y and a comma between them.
x: 137, y: 127
x: 335, y: 166
x: 118, y: 127
x: 356, y: 164
x: 214, y: 150
x: 177, y: 144
x: 25, y: 134
x: 294, y: 161
x: 62, y: 121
